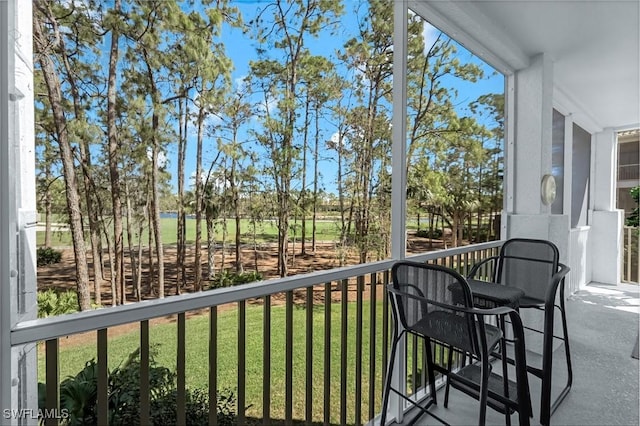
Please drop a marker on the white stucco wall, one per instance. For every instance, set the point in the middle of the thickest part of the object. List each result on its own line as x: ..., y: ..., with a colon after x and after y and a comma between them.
x: 18, y: 365
x: 606, y: 221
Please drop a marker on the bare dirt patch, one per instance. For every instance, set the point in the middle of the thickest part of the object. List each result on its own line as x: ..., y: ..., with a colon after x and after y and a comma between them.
x: 61, y: 276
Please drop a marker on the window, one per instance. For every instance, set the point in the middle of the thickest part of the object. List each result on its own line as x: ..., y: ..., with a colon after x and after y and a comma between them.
x: 557, y: 160
x: 581, y: 166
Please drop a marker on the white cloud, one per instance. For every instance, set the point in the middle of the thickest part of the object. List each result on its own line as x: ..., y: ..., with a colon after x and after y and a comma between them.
x: 430, y: 35
x: 162, y: 157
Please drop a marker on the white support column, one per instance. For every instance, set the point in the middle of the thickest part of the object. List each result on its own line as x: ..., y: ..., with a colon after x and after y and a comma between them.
x: 25, y: 357
x: 7, y: 218
x: 399, y: 133
x: 18, y: 365
x: 532, y: 151
x: 399, y: 181
x: 528, y: 153
x: 529, y: 156
x: 606, y: 221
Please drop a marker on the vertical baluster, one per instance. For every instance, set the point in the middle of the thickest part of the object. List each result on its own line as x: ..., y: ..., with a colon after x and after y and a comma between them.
x: 266, y: 363
x: 242, y: 312
x: 343, y: 351
x: 181, y: 397
x: 52, y: 365
x: 358, y: 366
x: 309, y: 358
x: 103, y: 379
x: 385, y: 329
x: 466, y: 263
x: 213, y: 366
x: 415, y: 383
x: 425, y: 376
x: 288, y: 393
x: 372, y: 345
x: 327, y: 353
x: 145, y: 407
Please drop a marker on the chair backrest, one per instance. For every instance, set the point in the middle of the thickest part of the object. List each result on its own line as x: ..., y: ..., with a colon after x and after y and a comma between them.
x: 528, y: 264
x: 424, y: 297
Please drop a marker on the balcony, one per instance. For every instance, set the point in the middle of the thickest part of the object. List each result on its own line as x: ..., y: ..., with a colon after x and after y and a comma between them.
x: 628, y: 172
x: 334, y: 373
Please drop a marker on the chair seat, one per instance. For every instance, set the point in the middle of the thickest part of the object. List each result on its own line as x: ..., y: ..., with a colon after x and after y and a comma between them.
x: 488, y: 294
x: 452, y: 329
x: 531, y: 302
x: 472, y: 373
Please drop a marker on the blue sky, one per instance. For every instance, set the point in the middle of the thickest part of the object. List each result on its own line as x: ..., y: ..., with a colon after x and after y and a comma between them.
x: 241, y: 50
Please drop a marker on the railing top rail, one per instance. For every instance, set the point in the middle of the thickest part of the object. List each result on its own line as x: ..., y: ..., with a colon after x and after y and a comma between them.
x: 80, y: 322
x: 432, y: 255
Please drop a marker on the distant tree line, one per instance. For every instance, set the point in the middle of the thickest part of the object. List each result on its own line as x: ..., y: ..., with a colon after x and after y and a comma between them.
x: 119, y: 85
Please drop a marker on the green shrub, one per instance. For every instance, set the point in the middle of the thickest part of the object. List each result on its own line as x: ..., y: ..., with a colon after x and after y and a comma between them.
x: 48, y: 256
x: 228, y: 279
x: 78, y: 396
x: 425, y: 233
x: 52, y: 302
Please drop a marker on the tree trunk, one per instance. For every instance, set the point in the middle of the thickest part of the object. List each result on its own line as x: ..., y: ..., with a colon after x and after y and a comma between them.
x: 132, y: 257
x: 199, y: 200
x: 66, y: 153
x: 181, y: 231
x: 224, y: 243
x: 211, y: 248
x: 316, y: 160
x: 236, y: 204
x: 155, y: 207
x: 303, y: 192
x: 155, y: 176
x: 114, y: 154
x: 47, y: 218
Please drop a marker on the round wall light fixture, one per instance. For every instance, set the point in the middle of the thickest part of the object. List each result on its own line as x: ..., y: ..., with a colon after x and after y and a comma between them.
x: 548, y: 189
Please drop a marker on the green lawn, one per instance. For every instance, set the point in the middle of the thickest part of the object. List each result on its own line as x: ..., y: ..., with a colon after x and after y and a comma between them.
x: 266, y: 231
x: 164, y: 335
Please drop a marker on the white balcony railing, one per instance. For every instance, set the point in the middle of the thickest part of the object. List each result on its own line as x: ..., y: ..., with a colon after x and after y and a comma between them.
x: 346, y: 306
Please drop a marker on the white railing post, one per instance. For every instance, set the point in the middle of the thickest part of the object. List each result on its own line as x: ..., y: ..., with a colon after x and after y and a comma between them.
x: 7, y: 274
x: 399, y: 179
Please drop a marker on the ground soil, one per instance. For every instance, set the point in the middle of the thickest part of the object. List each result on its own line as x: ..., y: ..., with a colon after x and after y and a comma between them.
x: 61, y: 276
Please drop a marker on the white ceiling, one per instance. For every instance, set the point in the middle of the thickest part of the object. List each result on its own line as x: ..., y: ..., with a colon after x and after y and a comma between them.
x: 594, y: 45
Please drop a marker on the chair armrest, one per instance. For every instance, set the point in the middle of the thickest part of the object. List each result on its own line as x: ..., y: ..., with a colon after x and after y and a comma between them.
x: 474, y: 268
x: 500, y: 310
x: 556, y: 280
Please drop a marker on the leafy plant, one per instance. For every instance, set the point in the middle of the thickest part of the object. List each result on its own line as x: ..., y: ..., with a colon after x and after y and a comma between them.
x: 78, y: 396
x: 634, y: 217
x: 52, y: 302
x: 425, y: 233
x: 228, y: 279
x: 48, y: 256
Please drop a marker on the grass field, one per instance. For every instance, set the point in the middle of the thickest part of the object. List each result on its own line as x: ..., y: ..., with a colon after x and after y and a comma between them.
x: 266, y: 231
x: 72, y: 358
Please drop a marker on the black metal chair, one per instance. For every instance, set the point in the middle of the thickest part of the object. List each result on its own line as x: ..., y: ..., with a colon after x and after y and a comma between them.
x: 533, y: 266
x: 435, y: 303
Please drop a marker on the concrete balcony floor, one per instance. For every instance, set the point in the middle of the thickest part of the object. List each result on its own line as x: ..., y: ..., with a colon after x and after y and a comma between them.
x: 603, y: 325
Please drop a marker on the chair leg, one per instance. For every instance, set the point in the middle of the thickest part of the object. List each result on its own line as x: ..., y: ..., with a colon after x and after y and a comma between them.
x: 546, y: 407
x: 430, y: 373
x: 565, y: 332
x: 547, y: 365
x: 505, y: 375
x: 447, y: 385
x: 484, y: 389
